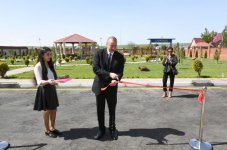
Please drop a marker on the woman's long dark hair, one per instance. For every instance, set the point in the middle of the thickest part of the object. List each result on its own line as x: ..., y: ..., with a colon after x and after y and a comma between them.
x: 44, y: 50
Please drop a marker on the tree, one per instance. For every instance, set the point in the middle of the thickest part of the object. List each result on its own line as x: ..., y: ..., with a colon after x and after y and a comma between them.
x: 54, y: 55
x: 196, y: 54
x: 59, y: 61
x: 176, y: 48
x: 3, y: 69
x: 164, y: 47
x: 182, y: 54
x: 26, y: 62
x: 224, y: 37
x: 179, y: 52
x: 12, y: 61
x: 205, y: 54
x: 197, y: 65
x: 190, y: 53
x: 207, y: 37
x: 216, y: 55
x: 131, y: 45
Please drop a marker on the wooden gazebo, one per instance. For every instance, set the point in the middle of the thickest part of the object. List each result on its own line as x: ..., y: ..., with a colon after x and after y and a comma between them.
x: 75, y: 40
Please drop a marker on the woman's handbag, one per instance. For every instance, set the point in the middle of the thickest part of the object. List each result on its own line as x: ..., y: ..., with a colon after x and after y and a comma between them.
x: 175, y: 71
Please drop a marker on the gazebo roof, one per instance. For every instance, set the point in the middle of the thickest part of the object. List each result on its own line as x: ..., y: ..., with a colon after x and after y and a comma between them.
x: 75, y: 38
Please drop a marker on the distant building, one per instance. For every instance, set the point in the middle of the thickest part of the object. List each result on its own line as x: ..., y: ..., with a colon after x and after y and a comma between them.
x: 13, y: 50
x: 199, y: 43
x: 200, y: 47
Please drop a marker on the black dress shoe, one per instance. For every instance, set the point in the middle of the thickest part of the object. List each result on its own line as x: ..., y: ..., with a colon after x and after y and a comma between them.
x: 51, y: 134
x: 99, y: 135
x: 114, y: 134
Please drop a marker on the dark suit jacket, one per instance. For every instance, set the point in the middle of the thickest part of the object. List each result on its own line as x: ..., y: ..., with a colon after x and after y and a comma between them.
x: 100, y: 68
x: 168, y: 67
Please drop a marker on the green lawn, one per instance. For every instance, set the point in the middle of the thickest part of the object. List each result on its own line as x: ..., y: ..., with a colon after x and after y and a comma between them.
x: 76, y: 62
x: 211, y: 69
x: 18, y: 63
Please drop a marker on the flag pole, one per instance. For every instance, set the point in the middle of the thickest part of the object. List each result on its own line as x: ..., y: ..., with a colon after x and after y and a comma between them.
x: 199, y: 144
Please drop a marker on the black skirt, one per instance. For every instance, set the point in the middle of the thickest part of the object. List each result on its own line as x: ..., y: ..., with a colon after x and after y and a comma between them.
x: 46, y: 98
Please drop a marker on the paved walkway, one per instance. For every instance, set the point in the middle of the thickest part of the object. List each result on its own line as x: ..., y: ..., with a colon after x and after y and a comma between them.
x: 145, y: 121
x: 19, y: 70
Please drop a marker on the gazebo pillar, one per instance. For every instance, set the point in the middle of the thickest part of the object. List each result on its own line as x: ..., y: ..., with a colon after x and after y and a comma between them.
x: 60, y: 49
x: 56, y: 49
x: 63, y: 48
x: 72, y: 48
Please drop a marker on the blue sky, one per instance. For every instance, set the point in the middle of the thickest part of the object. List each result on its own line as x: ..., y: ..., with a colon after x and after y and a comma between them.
x: 23, y: 22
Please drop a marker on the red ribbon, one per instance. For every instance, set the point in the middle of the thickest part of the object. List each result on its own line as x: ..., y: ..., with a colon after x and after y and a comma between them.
x: 63, y: 80
x: 200, y: 97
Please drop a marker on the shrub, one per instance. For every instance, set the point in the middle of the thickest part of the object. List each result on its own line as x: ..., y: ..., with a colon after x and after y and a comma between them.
x: 70, y: 58
x: 3, y: 68
x: 59, y: 61
x: 59, y: 56
x: 67, y: 59
x: 134, y: 57
x: 147, y: 58
x: 197, y: 65
x: 26, y: 62
x: 190, y: 55
x: 196, y: 54
x: 216, y: 56
x: 12, y: 61
x: 161, y: 57
x: 75, y: 58
x: 88, y: 60
x: 205, y: 54
x: 63, y: 56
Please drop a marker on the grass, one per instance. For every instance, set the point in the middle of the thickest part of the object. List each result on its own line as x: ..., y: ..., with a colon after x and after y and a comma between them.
x: 18, y: 63
x: 76, y: 62
x: 211, y: 70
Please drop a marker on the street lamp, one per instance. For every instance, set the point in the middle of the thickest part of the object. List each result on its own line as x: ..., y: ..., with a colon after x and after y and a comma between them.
x: 39, y: 43
x: 100, y: 41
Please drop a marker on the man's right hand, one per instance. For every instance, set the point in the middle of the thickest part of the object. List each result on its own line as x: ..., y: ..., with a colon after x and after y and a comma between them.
x: 113, y: 75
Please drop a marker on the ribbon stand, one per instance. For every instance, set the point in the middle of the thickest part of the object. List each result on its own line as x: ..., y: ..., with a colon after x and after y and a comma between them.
x: 199, y: 144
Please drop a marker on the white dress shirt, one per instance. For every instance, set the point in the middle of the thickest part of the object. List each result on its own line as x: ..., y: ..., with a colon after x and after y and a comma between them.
x: 38, y: 73
x: 108, y: 52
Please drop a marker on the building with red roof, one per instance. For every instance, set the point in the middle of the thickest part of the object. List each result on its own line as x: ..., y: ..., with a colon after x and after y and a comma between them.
x: 201, y: 47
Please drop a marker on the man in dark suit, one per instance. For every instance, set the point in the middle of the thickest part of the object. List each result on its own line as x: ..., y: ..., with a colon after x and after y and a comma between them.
x: 108, y: 65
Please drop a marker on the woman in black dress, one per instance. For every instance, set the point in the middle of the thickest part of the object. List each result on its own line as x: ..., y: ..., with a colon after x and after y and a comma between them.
x: 46, y: 96
x: 169, y: 63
